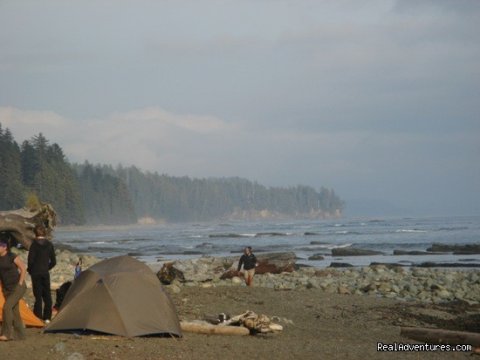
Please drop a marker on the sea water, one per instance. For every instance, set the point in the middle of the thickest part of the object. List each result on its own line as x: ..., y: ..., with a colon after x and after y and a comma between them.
x: 305, y: 238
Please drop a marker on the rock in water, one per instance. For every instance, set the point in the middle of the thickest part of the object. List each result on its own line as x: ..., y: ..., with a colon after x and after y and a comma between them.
x: 316, y: 257
x: 350, y: 251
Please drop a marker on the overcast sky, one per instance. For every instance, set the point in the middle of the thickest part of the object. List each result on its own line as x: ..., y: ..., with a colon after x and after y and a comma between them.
x: 379, y: 100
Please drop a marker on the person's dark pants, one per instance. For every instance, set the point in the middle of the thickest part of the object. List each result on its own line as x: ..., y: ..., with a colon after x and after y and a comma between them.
x: 43, y: 297
x: 12, y: 325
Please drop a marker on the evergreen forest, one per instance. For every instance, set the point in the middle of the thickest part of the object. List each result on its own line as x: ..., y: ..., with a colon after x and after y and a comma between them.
x: 101, y: 194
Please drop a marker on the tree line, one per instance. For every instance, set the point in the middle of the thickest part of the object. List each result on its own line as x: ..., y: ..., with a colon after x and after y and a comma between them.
x: 101, y: 194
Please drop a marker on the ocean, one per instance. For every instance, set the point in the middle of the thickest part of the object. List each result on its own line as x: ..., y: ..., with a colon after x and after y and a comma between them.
x: 158, y: 243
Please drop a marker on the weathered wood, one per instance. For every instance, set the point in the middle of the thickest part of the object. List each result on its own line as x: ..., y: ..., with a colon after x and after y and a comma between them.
x: 255, y: 323
x: 231, y: 273
x: 275, y: 327
x: 168, y: 273
x: 205, y: 328
x: 440, y: 336
x: 20, y: 223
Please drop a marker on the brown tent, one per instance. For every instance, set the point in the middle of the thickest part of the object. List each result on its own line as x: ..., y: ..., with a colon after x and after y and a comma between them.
x: 119, y: 296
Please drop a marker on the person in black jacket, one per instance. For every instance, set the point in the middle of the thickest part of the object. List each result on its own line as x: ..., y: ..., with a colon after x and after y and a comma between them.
x: 249, y: 262
x: 41, y: 259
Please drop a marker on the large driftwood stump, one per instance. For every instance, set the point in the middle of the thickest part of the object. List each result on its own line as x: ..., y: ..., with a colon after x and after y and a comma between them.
x: 168, y: 273
x: 19, y: 223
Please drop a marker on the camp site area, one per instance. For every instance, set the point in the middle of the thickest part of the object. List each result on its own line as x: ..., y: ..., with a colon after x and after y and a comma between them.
x: 317, y: 325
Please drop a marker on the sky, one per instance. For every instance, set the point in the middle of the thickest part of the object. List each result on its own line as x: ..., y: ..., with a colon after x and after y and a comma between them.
x: 377, y: 99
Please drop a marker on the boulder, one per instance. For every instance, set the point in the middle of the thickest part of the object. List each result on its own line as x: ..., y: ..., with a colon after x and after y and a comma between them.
x: 316, y: 257
x: 205, y: 268
x: 350, y: 251
x: 431, y: 264
x: 236, y: 280
x: 386, y: 265
x: 269, y: 268
x: 414, y: 252
x: 334, y: 264
x: 456, y: 249
x: 276, y: 263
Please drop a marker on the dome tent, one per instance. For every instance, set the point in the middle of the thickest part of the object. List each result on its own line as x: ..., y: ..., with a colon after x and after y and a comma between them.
x: 119, y: 296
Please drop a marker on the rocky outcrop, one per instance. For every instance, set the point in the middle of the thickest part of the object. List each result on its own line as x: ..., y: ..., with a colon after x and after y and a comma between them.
x: 201, y: 269
x: 427, y: 285
x: 276, y: 263
x: 413, y: 252
x: 209, y: 268
x: 431, y: 264
x: 456, y: 249
x: 350, y: 251
x: 336, y: 264
x: 403, y: 283
x: 316, y: 257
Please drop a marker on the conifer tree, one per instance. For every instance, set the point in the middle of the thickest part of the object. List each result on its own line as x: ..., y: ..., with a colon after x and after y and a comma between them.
x: 11, y: 188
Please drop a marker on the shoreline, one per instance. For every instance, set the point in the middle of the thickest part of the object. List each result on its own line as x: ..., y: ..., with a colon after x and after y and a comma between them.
x: 320, y: 314
x: 318, y: 244
x: 426, y: 285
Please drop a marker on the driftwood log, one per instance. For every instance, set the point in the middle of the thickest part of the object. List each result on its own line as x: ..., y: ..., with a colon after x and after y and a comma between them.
x: 19, y: 224
x: 439, y: 336
x: 243, y: 324
x: 255, y: 323
x: 209, y: 329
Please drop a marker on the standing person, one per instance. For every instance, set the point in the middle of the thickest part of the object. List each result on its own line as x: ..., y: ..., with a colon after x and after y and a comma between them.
x: 12, y: 276
x: 78, y: 269
x: 41, y: 259
x: 249, y: 262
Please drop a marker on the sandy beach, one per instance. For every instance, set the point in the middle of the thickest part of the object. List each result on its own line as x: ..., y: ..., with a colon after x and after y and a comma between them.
x: 317, y: 325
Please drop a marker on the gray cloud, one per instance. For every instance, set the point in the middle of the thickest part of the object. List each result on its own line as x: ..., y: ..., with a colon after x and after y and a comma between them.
x: 374, y: 98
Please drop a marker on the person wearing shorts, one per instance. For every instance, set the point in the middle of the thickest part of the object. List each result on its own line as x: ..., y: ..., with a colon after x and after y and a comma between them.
x: 249, y: 262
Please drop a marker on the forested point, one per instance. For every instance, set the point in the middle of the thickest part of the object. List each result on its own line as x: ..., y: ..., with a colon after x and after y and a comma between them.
x: 101, y: 194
